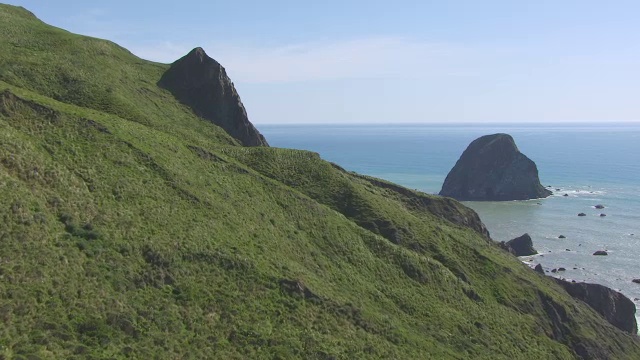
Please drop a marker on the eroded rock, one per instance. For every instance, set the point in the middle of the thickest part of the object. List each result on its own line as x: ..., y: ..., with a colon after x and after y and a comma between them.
x: 612, y: 305
x: 492, y: 168
x: 539, y: 269
x: 201, y: 83
x: 520, y: 246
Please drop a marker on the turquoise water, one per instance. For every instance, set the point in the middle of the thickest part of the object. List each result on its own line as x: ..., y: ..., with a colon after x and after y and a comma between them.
x: 593, y: 164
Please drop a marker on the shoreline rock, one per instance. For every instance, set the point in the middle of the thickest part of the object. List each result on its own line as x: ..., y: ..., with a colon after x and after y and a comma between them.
x: 616, y: 308
x: 539, y: 269
x: 520, y: 246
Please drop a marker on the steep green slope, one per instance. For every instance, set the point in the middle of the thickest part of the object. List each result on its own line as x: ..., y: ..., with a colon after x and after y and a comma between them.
x: 92, y: 73
x: 425, y: 224
x: 134, y: 232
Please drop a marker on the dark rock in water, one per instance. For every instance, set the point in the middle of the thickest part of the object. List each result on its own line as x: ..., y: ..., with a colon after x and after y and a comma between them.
x: 603, y: 215
x: 539, y: 269
x: 562, y: 237
x: 565, y: 195
x: 557, y: 189
x: 637, y: 281
x: 201, y: 83
x: 492, y: 168
x: 600, y: 252
x: 567, y: 249
x: 582, y: 214
x: 599, y: 206
x: 520, y: 246
x: 562, y: 269
x: 612, y: 305
x: 554, y: 270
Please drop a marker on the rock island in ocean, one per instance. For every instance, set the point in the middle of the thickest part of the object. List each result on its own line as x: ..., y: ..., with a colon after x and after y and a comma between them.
x: 493, y: 169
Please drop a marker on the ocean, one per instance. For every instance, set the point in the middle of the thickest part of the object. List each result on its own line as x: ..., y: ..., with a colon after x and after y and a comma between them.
x: 592, y: 163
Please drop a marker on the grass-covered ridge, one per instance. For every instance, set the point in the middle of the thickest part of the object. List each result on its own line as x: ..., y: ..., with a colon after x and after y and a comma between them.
x: 132, y: 229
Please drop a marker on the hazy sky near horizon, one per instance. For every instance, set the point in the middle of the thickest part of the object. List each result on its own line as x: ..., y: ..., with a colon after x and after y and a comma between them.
x: 392, y: 62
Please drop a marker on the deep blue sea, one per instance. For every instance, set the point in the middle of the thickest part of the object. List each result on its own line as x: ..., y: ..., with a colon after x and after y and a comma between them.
x: 592, y: 163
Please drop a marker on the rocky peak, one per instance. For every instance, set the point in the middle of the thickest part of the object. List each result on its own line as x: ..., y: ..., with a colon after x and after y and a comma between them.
x: 199, y: 53
x: 493, y: 168
x: 201, y: 83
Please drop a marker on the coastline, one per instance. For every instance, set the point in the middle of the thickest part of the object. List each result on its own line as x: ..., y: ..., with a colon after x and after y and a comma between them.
x: 586, y: 161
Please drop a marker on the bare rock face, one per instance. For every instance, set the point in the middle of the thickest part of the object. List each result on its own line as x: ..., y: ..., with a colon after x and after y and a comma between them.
x: 539, y: 269
x: 612, y: 305
x: 201, y: 83
x: 520, y: 246
x: 493, y: 169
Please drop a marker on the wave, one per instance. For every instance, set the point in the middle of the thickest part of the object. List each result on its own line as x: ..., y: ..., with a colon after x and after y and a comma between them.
x: 579, y: 192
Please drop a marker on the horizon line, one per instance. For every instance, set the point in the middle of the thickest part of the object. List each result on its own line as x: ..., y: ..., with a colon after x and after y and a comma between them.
x: 562, y: 122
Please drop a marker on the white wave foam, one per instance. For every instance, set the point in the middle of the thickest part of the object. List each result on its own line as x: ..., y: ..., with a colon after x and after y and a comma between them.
x: 579, y: 192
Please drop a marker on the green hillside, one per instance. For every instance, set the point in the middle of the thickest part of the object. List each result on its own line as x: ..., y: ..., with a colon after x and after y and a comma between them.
x: 133, y: 229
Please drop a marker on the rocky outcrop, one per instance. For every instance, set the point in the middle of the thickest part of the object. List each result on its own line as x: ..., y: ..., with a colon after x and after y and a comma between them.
x: 520, y: 246
x: 201, y: 83
x: 612, y: 305
x: 600, y: 253
x: 443, y: 208
x: 492, y: 168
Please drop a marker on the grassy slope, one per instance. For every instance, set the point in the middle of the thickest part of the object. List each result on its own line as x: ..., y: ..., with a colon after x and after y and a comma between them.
x: 131, y: 228
x: 92, y: 73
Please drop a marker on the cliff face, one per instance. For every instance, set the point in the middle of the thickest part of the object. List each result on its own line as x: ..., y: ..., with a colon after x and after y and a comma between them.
x: 201, y: 83
x: 612, y: 305
x: 493, y: 169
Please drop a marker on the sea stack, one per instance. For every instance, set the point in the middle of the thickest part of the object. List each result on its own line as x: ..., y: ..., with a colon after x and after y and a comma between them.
x: 493, y: 169
x: 202, y: 84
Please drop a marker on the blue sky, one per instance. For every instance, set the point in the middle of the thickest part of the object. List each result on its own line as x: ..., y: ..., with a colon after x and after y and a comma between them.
x: 392, y: 62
